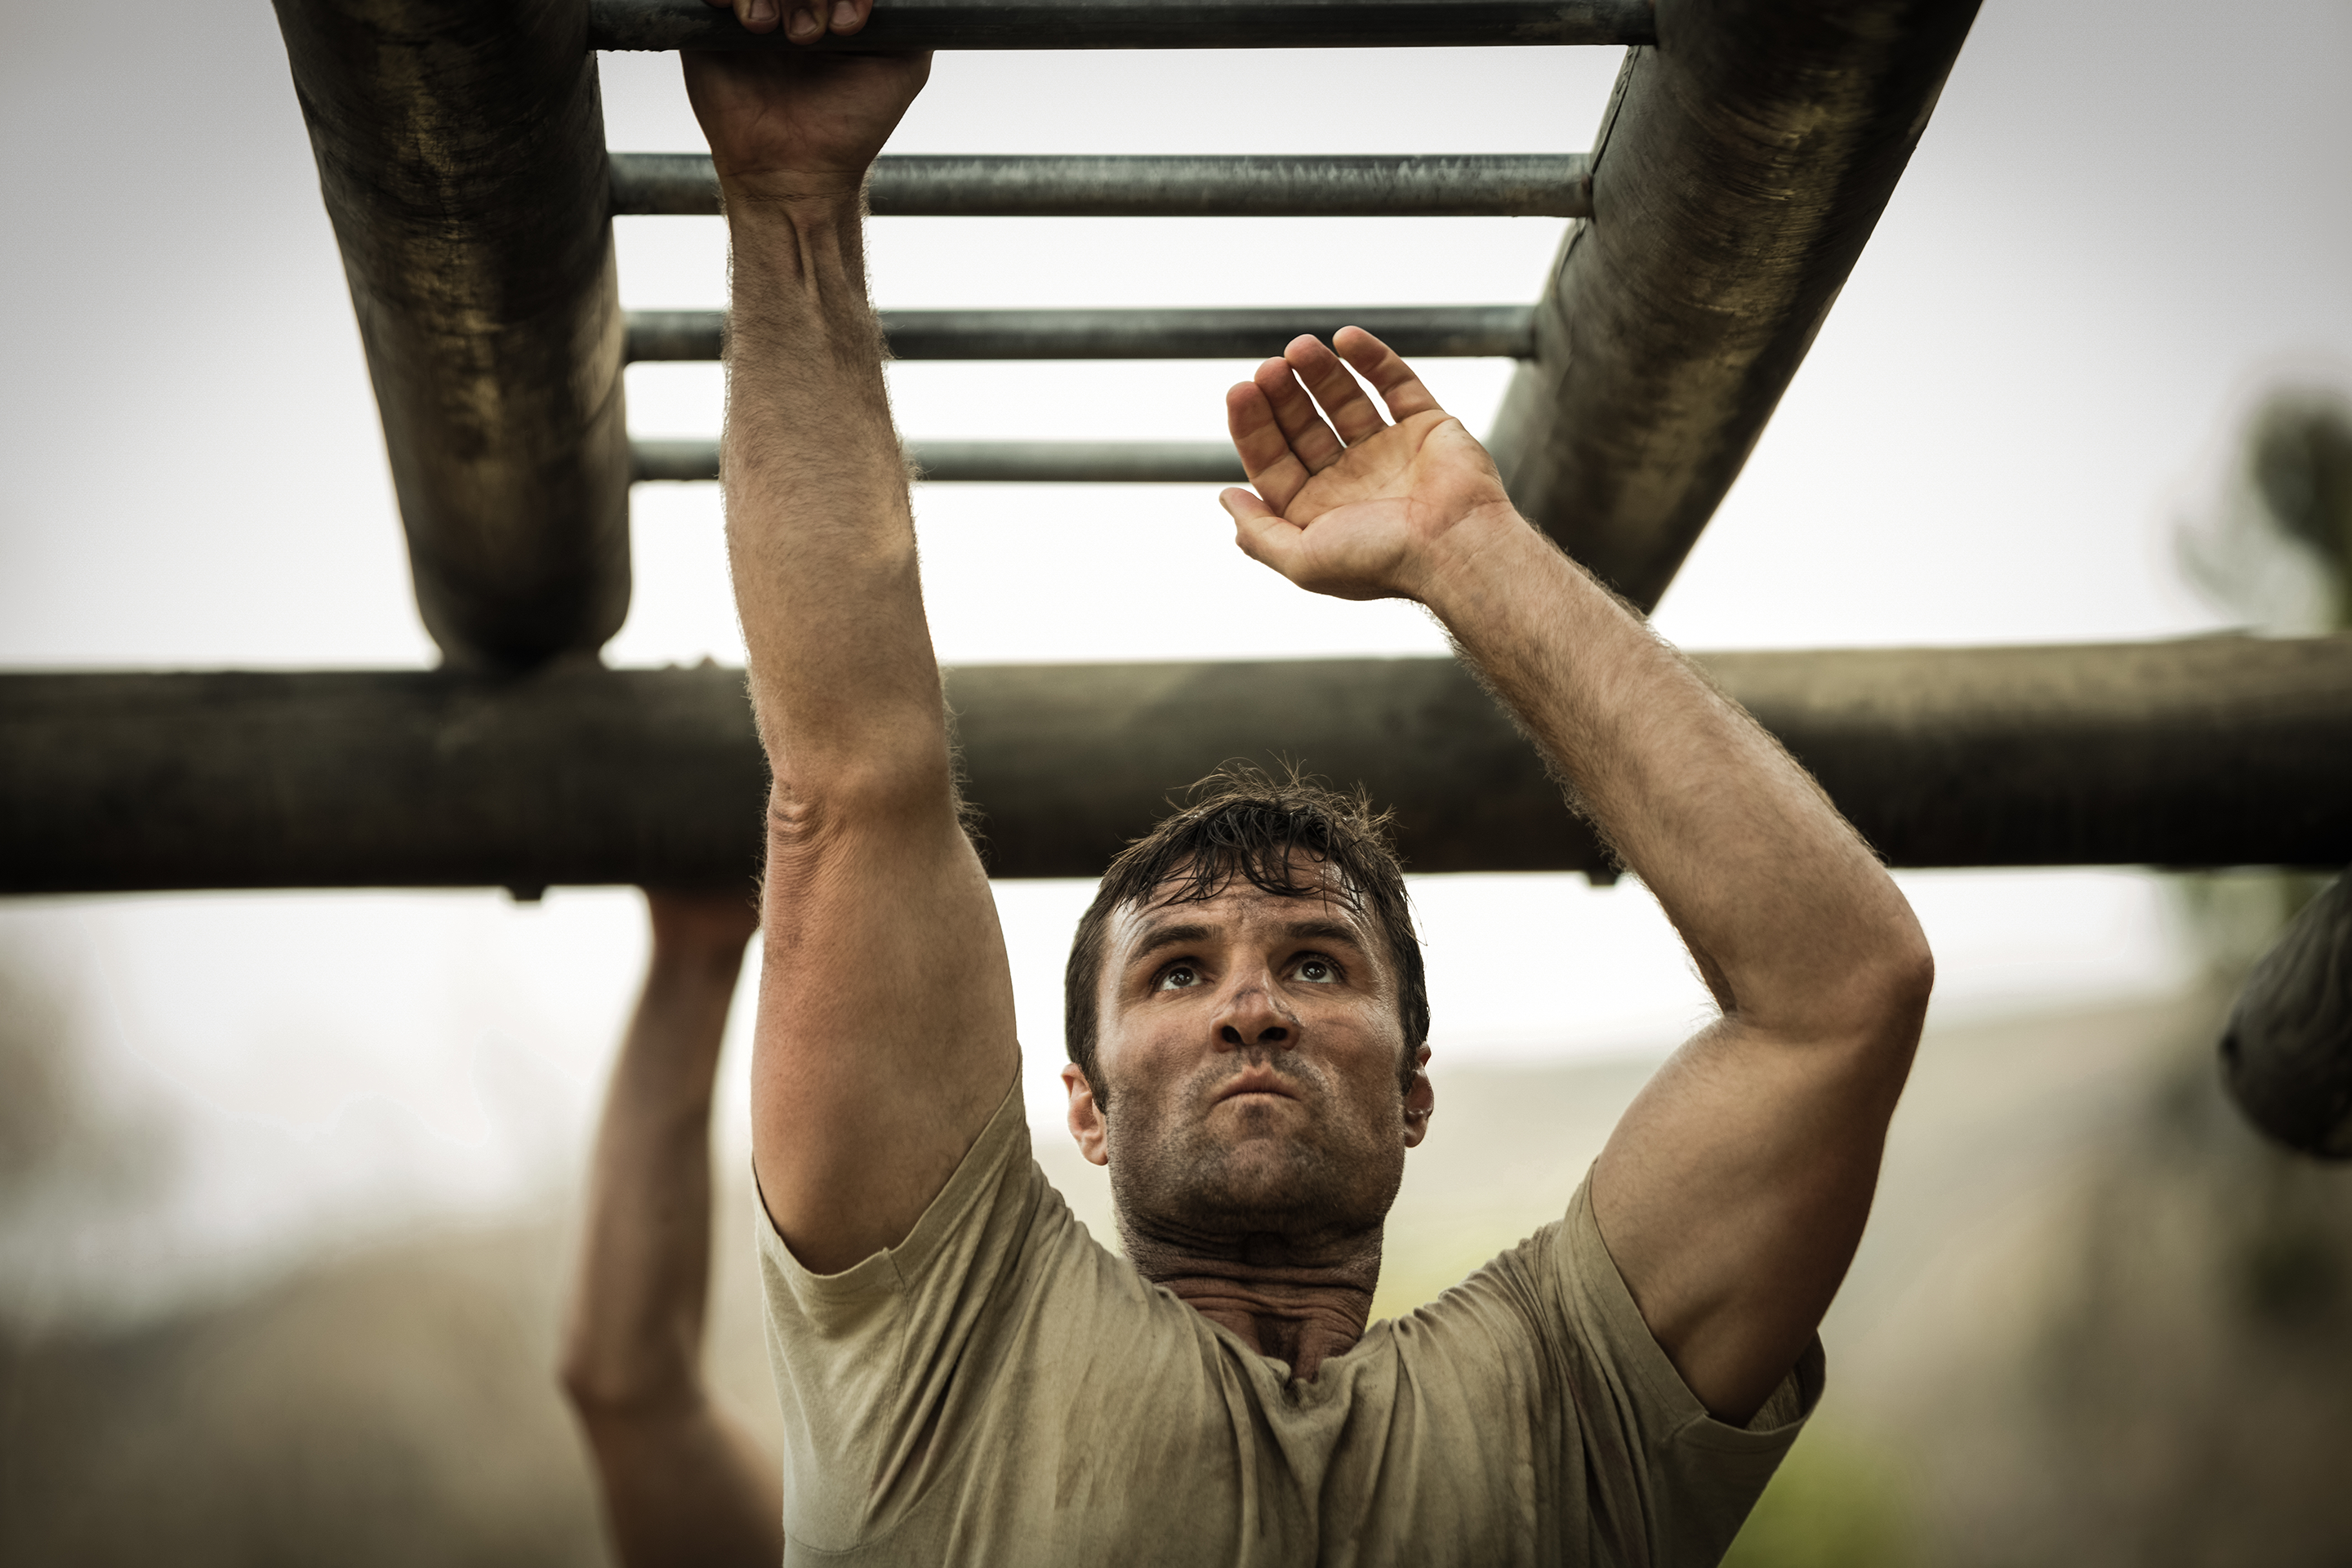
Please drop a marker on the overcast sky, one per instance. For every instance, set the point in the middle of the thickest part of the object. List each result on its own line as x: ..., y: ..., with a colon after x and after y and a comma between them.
x: 2120, y: 226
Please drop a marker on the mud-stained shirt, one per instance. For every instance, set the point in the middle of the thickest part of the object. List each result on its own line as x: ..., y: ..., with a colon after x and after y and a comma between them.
x: 1002, y: 1389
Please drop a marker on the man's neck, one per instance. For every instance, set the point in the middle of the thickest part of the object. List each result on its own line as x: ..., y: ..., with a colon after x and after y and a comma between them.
x: 1299, y: 1302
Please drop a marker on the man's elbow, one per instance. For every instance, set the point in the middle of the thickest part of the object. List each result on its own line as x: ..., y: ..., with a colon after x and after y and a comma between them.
x: 589, y: 1383
x: 1888, y: 998
x: 818, y: 801
x: 600, y: 1393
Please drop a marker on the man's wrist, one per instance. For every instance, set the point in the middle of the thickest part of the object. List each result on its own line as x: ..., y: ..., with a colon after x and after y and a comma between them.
x: 807, y: 245
x: 793, y: 197
x: 1482, y: 551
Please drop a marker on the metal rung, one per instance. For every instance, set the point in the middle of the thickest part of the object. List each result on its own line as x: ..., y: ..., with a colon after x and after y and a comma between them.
x: 997, y: 462
x: 1528, y: 184
x: 1146, y: 24
x: 1427, y: 332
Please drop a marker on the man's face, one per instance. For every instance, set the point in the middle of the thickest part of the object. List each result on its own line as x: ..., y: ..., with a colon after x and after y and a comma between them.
x: 1248, y: 1047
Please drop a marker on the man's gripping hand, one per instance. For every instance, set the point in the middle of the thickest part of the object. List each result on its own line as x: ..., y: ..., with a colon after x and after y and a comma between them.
x: 807, y: 21
x: 795, y: 124
x: 1356, y: 507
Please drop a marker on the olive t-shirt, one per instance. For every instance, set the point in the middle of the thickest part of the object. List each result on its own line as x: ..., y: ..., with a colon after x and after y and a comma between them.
x: 1000, y: 1388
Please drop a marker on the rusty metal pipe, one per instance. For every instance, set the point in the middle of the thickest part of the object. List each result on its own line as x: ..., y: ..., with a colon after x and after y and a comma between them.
x: 1433, y: 332
x: 461, y: 156
x: 1146, y: 24
x: 2213, y: 750
x: 998, y: 462
x: 1531, y: 185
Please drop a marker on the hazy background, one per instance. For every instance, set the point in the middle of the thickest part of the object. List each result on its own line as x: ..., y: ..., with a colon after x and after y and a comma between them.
x: 2122, y: 228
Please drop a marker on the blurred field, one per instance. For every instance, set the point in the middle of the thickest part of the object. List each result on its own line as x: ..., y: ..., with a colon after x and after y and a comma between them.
x: 2093, y: 1322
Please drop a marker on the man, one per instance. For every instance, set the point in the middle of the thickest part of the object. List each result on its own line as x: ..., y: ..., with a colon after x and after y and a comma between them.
x: 964, y: 1374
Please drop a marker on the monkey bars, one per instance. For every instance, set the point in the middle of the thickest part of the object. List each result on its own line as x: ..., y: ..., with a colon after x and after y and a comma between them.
x: 1747, y: 153
x: 1747, y: 150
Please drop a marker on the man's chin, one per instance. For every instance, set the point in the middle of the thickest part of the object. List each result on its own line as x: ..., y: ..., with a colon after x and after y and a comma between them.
x: 1261, y: 1178
x: 1268, y: 1167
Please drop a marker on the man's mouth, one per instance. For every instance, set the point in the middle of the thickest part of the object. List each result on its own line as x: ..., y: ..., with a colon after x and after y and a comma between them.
x: 1263, y: 1082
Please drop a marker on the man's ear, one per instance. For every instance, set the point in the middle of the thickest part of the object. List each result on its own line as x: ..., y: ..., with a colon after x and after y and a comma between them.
x: 1086, y: 1117
x: 1420, y: 1099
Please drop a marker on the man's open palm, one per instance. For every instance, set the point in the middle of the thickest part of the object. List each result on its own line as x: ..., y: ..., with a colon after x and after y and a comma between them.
x: 1348, y: 504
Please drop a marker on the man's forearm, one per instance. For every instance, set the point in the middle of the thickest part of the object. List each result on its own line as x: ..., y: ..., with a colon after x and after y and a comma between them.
x: 820, y: 532
x: 1795, y: 927
x: 886, y: 1036
x: 634, y: 1342
x: 1736, y: 1187
x: 681, y: 1481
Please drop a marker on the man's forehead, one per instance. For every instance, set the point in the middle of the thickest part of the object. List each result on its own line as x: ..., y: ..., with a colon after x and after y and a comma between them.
x: 1320, y: 895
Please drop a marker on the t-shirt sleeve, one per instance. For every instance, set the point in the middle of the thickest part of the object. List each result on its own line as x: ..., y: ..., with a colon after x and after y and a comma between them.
x: 1682, y: 1479
x: 867, y: 1362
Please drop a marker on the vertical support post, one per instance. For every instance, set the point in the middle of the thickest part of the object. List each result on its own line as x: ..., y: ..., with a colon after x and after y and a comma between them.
x: 1740, y: 168
x: 461, y: 154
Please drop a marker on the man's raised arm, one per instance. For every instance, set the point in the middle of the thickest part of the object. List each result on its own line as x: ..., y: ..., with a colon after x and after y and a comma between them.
x: 1734, y: 1192
x: 885, y: 1035
x: 683, y: 1483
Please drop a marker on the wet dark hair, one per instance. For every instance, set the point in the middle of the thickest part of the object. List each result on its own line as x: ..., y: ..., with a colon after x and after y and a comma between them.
x: 1243, y: 822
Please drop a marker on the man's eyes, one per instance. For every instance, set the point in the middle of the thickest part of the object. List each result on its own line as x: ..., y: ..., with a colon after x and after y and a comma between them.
x: 1314, y: 970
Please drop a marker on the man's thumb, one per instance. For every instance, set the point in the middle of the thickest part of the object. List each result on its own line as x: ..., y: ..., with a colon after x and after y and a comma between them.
x: 1242, y: 505
x: 1263, y: 534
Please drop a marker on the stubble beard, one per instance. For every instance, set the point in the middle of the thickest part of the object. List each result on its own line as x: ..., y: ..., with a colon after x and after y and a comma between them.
x: 1188, y: 1171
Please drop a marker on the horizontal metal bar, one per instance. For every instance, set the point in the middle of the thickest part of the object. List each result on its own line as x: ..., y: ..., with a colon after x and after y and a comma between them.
x: 1518, y: 185
x: 1000, y: 462
x: 1423, y: 331
x: 2209, y: 751
x: 1146, y: 24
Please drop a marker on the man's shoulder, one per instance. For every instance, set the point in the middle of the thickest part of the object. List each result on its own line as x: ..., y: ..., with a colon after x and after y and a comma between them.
x: 1554, y: 1300
x: 1511, y: 1301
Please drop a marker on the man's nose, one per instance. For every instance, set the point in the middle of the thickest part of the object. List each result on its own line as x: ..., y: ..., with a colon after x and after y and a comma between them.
x: 1251, y: 1015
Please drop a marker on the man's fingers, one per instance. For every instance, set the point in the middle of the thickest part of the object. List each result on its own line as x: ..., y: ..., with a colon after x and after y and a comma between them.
x: 1308, y: 437
x: 1326, y: 375
x: 1386, y: 370
x: 1263, y: 535
x: 804, y: 21
x: 1265, y: 452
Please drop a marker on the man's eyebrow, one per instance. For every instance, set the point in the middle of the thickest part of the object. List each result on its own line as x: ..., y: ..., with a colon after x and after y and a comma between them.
x: 1186, y: 933
x: 1325, y: 930
x: 1179, y: 935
